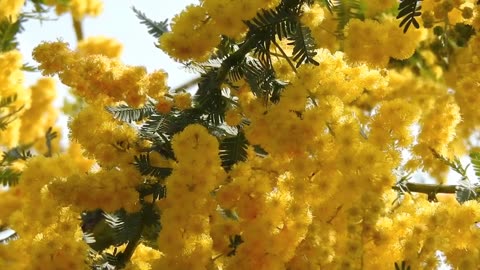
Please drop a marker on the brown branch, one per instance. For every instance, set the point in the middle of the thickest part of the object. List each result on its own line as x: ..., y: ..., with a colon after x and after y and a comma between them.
x: 427, y: 188
x: 77, y: 26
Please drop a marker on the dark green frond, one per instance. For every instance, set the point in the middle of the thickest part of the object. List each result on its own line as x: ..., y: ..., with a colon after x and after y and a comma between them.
x: 157, y: 190
x: 142, y: 162
x: 9, y: 177
x: 155, y: 124
x: 125, y: 225
x: 128, y: 114
x: 155, y: 29
x: 408, y: 10
x: 475, y: 159
x: 262, y: 80
x: 466, y: 192
x: 303, y: 46
x: 344, y: 11
x: 7, y: 101
x: 8, y: 32
x: 233, y: 149
x: 329, y: 4
x: 16, y: 153
x: 29, y: 68
x: 210, y: 100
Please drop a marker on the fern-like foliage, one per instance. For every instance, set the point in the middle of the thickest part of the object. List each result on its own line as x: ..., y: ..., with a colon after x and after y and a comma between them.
x: 156, y: 29
x: 402, y: 266
x: 210, y: 100
x: 125, y: 226
x: 282, y: 23
x: 9, y: 177
x: 262, y: 80
x: 233, y: 149
x: 344, y: 11
x: 155, y: 125
x: 475, y: 159
x: 8, y: 32
x: 408, y: 10
x: 5, y: 119
x: 303, y: 46
x: 129, y: 114
x: 142, y: 162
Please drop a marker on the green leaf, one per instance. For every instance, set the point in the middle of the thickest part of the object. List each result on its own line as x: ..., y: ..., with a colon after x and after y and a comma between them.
x: 128, y: 114
x: 210, y: 100
x: 475, y: 159
x: 303, y: 46
x: 408, y: 10
x: 156, y: 29
x: 9, y: 177
x: 29, y: 68
x: 345, y: 10
x: 16, y: 153
x: 8, y: 32
x: 233, y: 150
x: 142, y: 162
x: 7, y: 101
x: 465, y: 192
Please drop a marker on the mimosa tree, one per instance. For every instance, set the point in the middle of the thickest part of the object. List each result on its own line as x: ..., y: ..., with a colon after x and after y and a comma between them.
x: 299, y: 146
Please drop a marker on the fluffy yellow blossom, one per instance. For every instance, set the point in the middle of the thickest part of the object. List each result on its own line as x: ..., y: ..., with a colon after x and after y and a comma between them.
x: 185, y: 237
x: 41, y: 115
x: 438, y: 128
x: 10, y: 9
x: 78, y: 8
x: 183, y: 101
x: 97, y: 77
x: 380, y: 41
x: 191, y: 27
x: 100, y: 45
x: 12, y: 88
x: 164, y: 105
x: 108, y: 141
x: 233, y: 117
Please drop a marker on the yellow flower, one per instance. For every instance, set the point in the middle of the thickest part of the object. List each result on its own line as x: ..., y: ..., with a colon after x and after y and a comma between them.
x: 10, y: 9
x: 183, y: 101
x: 100, y: 45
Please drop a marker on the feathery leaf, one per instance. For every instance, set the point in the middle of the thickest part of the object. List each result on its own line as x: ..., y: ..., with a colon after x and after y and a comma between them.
x: 156, y: 29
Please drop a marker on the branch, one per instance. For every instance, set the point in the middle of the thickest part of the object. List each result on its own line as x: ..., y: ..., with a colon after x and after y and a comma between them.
x: 77, y: 26
x: 428, y: 188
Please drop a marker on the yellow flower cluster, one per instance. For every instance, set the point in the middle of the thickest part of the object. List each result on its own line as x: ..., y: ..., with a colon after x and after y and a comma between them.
x: 78, y: 8
x: 393, y: 123
x: 185, y: 239
x: 376, y: 7
x: 11, y: 81
x: 109, y: 190
x: 380, y: 41
x: 100, y: 45
x: 466, y: 61
x: 10, y: 9
x: 41, y: 115
x: 49, y: 233
x: 142, y: 258
x: 98, y: 77
x: 416, y: 230
x: 203, y: 24
x: 317, y: 96
x: 110, y: 142
x: 451, y: 11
